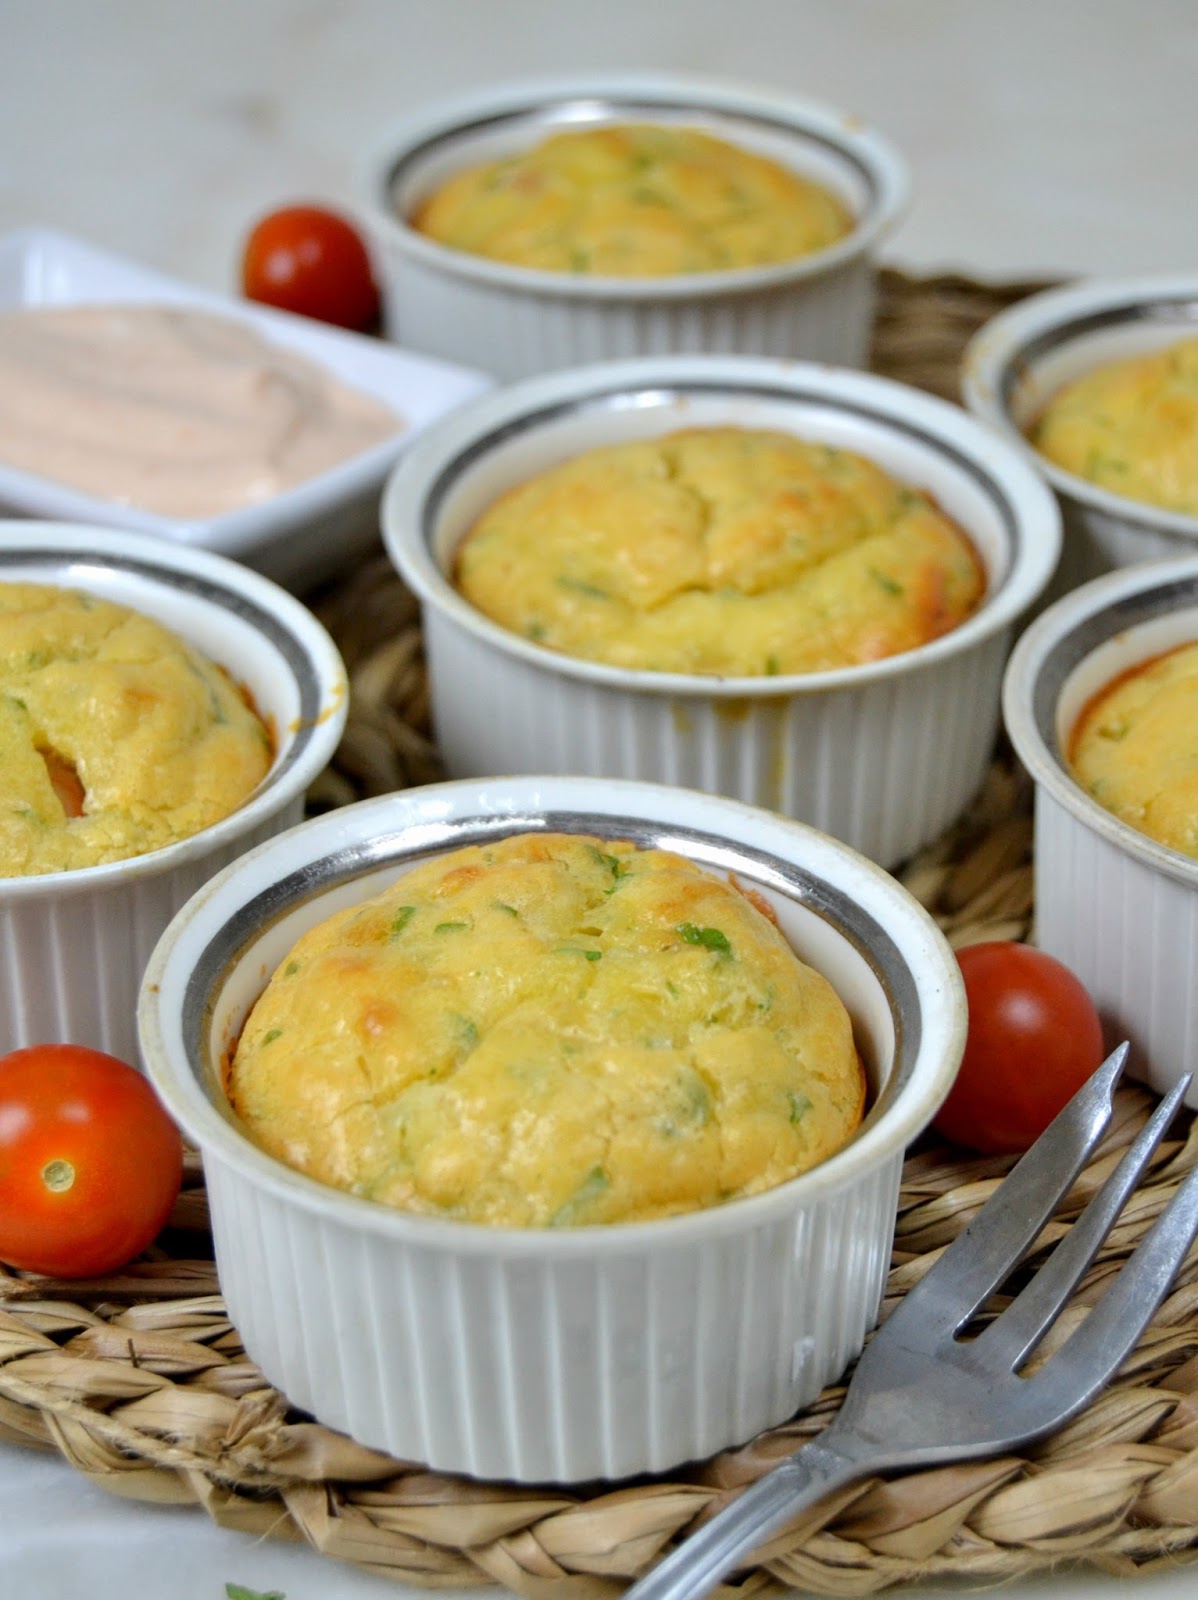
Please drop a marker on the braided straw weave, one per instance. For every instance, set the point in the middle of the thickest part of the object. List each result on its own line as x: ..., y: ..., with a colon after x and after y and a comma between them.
x: 140, y: 1380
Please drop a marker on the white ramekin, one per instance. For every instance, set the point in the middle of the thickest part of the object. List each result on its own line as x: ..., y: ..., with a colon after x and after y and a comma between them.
x: 562, y: 1354
x: 1115, y: 906
x: 74, y: 944
x: 883, y: 755
x: 1022, y: 357
x: 514, y: 322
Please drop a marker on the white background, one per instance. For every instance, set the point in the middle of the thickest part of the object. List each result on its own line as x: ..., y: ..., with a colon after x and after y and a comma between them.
x: 1045, y: 137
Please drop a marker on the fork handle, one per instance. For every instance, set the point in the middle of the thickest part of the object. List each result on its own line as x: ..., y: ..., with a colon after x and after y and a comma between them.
x: 774, y: 1500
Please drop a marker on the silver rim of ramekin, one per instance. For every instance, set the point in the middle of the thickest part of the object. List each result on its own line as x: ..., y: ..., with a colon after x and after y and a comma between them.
x: 1051, y: 650
x: 420, y: 482
x: 910, y: 960
x: 1006, y: 349
x: 65, y: 552
x: 553, y: 102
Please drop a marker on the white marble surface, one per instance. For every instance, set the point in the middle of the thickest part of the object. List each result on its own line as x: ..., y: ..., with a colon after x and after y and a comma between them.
x: 1045, y: 136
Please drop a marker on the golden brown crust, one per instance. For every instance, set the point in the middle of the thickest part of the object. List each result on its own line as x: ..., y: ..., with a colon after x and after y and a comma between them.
x: 549, y: 1030
x: 634, y: 200
x: 1133, y: 748
x: 730, y: 551
x: 116, y: 737
x: 1131, y: 427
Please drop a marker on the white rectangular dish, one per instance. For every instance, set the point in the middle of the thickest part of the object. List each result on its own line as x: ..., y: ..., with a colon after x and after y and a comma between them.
x: 298, y: 537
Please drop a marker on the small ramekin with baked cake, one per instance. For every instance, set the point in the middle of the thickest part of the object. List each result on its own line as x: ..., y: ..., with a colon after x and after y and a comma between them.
x: 161, y: 709
x: 1100, y: 707
x: 1094, y: 382
x: 536, y: 225
x: 524, y: 1013
x: 787, y: 583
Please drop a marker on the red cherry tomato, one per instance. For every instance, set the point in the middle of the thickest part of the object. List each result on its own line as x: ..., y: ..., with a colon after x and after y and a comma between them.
x: 90, y: 1163
x: 1034, y: 1038
x: 313, y: 262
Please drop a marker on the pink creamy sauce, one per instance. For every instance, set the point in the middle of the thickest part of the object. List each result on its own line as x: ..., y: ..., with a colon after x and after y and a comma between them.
x: 180, y: 412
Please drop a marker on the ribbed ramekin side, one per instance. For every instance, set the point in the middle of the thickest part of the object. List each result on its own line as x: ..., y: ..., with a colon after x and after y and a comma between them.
x: 1095, y: 542
x: 885, y: 766
x: 564, y: 1368
x: 71, y: 960
x: 513, y: 333
x: 1129, y: 932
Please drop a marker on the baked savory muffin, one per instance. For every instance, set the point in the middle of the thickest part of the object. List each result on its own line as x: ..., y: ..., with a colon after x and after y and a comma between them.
x: 634, y: 200
x: 116, y: 736
x: 726, y: 551
x: 549, y: 1030
x: 1131, y: 427
x: 1133, y: 748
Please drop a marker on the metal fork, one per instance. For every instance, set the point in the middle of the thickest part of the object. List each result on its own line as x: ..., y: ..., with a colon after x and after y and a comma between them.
x: 921, y: 1395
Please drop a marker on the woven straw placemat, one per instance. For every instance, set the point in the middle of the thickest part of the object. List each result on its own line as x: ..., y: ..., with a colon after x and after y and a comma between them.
x: 140, y: 1381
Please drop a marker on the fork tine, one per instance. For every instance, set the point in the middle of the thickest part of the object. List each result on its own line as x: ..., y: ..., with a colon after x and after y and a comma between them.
x: 1091, y: 1354
x: 1012, y: 1335
x: 980, y: 1257
x: 918, y: 1396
